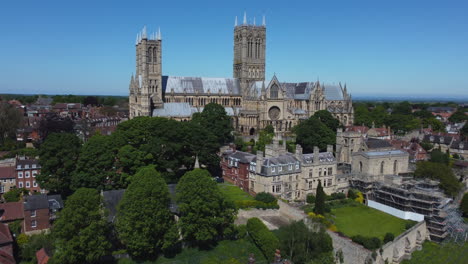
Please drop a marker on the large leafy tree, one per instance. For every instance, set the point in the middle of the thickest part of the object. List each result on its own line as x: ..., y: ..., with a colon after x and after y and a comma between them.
x: 459, y: 116
x: 302, y: 245
x: 95, y: 163
x: 378, y: 115
x: 464, y: 131
x: 58, y: 155
x: 362, y: 115
x: 81, y: 230
x: 10, y: 120
x: 145, y: 224
x: 312, y: 132
x: 129, y: 159
x: 215, y: 119
x: 440, y: 172
x: 206, y: 215
x: 327, y: 119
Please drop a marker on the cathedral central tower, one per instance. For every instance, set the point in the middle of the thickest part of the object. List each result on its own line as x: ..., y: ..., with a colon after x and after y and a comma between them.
x: 249, y: 51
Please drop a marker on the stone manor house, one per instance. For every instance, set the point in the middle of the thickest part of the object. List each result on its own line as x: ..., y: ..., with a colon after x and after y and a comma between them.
x: 252, y: 102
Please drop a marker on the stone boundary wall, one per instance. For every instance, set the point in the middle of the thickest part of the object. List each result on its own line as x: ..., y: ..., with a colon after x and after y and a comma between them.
x: 403, y: 245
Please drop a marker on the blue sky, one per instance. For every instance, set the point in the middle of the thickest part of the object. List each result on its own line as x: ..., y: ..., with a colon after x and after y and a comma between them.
x: 376, y: 47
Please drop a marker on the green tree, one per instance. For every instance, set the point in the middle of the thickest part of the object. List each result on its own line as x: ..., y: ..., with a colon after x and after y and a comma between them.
x: 302, y: 245
x: 215, y: 119
x: 81, y: 230
x: 265, y: 137
x: 204, y: 145
x: 58, y: 156
x: 464, y: 131
x: 362, y: 115
x: 263, y: 238
x: 439, y: 157
x: 95, y: 163
x: 464, y: 205
x: 320, y: 200
x: 14, y: 195
x: 312, y: 132
x: 327, y: 119
x: 401, y: 123
x: 129, y: 159
x: 435, y: 124
x: 35, y: 242
x: 378, y: 115
x: 10, y: 120
x: 145, y: 225
x: 403, y: 108
x: 440, y: 172
x: 265, y: 197
x: 459, y: 116
x: 205, y: 214
x: 388, y: 237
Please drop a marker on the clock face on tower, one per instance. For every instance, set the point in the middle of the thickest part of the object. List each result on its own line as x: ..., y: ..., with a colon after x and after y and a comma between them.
x: 274, y: 113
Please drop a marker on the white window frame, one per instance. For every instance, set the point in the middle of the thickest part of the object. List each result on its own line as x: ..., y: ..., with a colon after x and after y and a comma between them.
x: 34, y: 173
x: 280, y: 168
x: 35, y: 183
x: 28, y: 184
x: 290, y: 166
x: 20, y: 185
x: 297, y: 166
x: 272, y: 169
x: 27, y: 174
x: 33, y: 213
x: 33, y: 223
x: 20, y: 174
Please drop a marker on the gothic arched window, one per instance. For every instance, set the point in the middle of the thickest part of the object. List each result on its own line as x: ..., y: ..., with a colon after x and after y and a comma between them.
x: 395, y: 167
x: 382, y: 167
x: 274, y: 91
x: 150, y: 54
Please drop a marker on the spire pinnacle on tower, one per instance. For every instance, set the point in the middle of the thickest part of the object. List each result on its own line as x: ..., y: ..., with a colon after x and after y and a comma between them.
x: 235, y: 22
x: 254, y: 21
x: 159, y: 33
x: 136, y: 41
x: 263, y: 21
x: 144, y: 32
x: 245, y: 18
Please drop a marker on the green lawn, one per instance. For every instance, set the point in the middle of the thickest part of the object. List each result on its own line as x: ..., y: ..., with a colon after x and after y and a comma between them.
x: 234, y: 193
x: 433, y: 253
x: 225, y: 252
x: 366, y: 221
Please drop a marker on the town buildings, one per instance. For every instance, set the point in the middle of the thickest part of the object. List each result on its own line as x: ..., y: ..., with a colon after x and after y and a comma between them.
x: 291, y: 176
x: 252, y: 101
x: 26, y: 172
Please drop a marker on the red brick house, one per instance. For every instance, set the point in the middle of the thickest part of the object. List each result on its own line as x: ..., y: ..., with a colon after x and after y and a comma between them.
x: 40, y: 211
x: 10, y: 212
x: 6, y: 245
x: 26, y: 171
x: 235, y: 166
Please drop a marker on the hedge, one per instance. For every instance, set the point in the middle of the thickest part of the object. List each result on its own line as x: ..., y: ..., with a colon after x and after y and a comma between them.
x: 368, y: 242
x: 265, y: 240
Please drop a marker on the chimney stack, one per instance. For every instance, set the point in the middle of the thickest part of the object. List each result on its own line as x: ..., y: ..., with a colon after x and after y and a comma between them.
x: 259, y: 161
x: 316, y: 155
x: 330, y: 148
x: 298, y: 152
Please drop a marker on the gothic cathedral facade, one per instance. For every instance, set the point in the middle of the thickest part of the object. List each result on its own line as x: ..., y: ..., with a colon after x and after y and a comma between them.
x: 252, y: 102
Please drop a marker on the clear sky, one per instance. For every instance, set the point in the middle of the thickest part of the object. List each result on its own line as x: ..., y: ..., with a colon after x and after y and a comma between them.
x: 376, y: 47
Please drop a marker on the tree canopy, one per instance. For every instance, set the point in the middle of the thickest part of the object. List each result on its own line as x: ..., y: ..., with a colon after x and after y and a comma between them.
x: 320, y: 200
x: 58, y: 156
x: 327, y: 119
x: 205, y: 215
x: 215, y: 119
x: 10, y: 120
x: 440, y: 172
x: 145, y: 225
x: 312, y: 132
x: 459, y: 116
x: 81, y: 231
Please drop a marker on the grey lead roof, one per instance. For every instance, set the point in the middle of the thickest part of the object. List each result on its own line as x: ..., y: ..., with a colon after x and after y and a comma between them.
x: 201, y: 85
x: 302, y: 90
x: 323, y: 157
x: 183, y: 110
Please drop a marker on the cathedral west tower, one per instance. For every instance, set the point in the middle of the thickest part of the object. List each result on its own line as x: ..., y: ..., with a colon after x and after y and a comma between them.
x: 249, y: 52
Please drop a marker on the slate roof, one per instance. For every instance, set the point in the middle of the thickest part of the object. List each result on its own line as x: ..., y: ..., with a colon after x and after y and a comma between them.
x: 460, y: 145
x: 395, y: 152
x: 201, y: 85
x: 323, y: 157
x: 438, y: 138
x: 302, y: 90
x: 35, y: 202
x: 283, y: 159
x: 373, y: 143
x: 243, y: 157
x: 30, y: 162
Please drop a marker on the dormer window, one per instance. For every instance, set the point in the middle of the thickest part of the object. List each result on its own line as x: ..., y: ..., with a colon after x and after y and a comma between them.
x: 280, y: 168
x: 290, y: 166
x: 272, y: 169
x: 34, y: 166
x: 26, y: 166
x: 18, y: 167
x: 297, y: 166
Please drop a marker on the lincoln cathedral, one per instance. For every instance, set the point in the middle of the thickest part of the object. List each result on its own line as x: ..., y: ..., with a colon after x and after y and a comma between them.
x: 248, y: 98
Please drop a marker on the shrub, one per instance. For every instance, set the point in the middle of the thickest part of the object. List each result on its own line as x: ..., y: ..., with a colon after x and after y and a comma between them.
x: 241, y: 231
x: 256, y: 204
x: 359, y: 198
x: 367, y: 242
x: 265, y: 197
x: 14, y: 195
x: 310, y: 199
x: 337, y: 196
x: 409, y: 224
x: 464, y: 205
x: 352, y: 194
x: 22, y: 239
x: 388, y: 237
x: 263, y: 238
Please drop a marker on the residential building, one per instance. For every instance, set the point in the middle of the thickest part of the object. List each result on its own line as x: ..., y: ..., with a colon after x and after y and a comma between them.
x: 6, y: 245
x: 460, y: 148
x: 439, y: 141
x: 7, y: 179
x: 40, y: 211
x: 26, y: 172
x: 10, y: 212
x: 235, y: 166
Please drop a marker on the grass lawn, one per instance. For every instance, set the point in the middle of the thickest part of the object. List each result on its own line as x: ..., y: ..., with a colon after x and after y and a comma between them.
x: 433, y: 253
x: 366, y: 221
x: 225, y: 252
x: 234, y: 193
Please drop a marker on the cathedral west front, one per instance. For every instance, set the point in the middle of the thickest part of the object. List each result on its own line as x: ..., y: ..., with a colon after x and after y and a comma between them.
x: 247, y: 97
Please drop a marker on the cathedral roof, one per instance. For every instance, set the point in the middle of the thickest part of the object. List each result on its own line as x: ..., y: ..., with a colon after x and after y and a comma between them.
x: 201, y: 85
x: 183, y: 110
